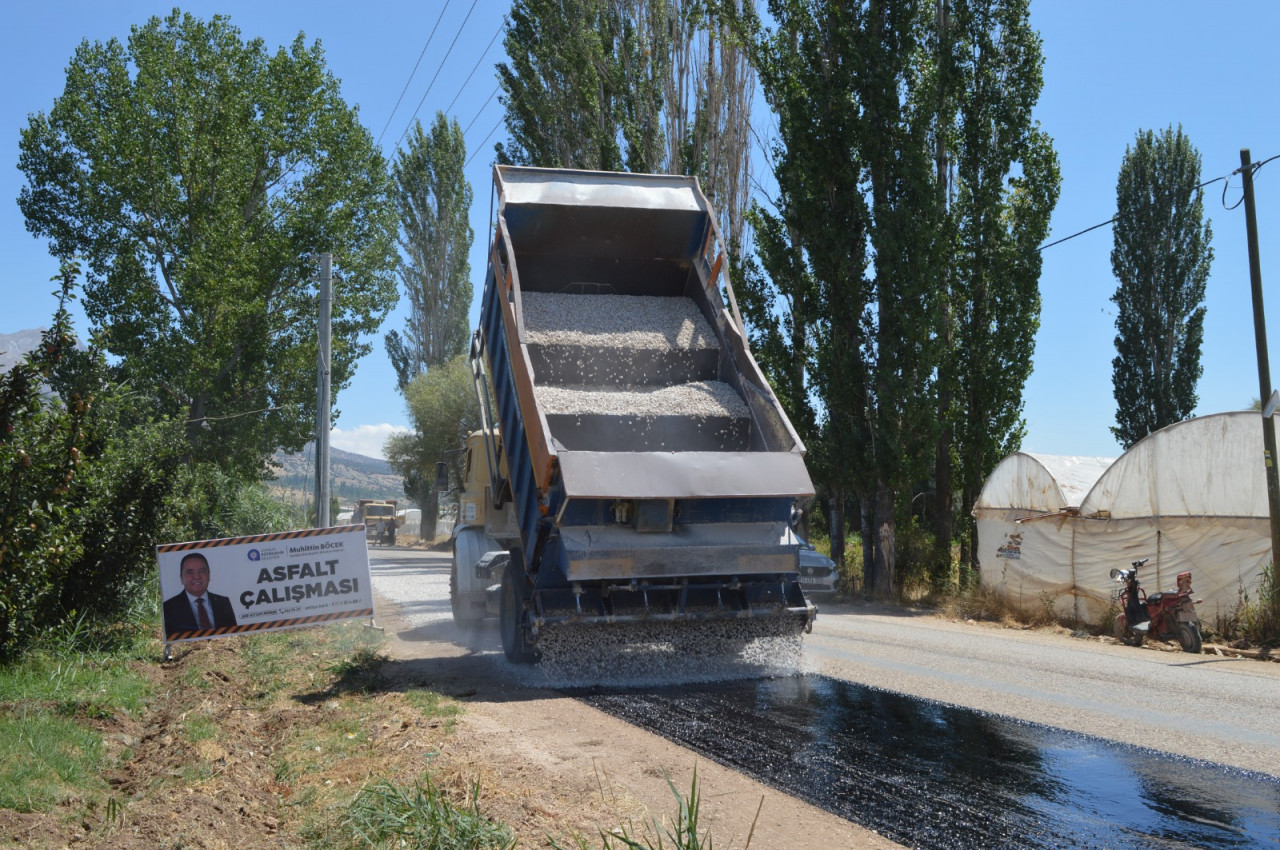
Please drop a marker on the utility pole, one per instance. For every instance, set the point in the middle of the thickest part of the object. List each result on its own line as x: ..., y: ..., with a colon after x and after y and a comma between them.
x: 1264, y: 371
x: 322, y: 392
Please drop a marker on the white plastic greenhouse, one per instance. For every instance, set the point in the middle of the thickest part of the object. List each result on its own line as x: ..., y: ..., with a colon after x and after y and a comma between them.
x: 1192, y: 496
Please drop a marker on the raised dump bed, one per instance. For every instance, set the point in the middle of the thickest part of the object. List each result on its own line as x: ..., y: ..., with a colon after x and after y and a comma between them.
x: 631, y: 373
x: 652, y: 470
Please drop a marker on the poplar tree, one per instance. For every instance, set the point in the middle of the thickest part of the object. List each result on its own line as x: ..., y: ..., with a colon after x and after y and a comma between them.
x: 899, y: 266
x: 1161, y: 258
x: 434, y: 201
x: 583, y: 88
x: 855, y: 190
x: 636, y: 85
x: 998, y: 180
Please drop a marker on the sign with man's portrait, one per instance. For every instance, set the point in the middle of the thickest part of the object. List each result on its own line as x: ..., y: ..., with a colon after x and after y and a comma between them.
x: 264, y: 582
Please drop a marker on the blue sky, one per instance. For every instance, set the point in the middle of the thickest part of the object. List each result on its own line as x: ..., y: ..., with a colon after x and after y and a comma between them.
x: 1111, y: 68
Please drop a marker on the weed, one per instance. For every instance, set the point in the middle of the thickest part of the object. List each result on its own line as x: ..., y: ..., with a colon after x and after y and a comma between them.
x: 683, y: 834
x: 200, y: 727
x: 433, y: 705
x: 361, y: 673
x: 978, y: 603
x: 46, y: 760
x: 77, y: 684
x: 388, y: 815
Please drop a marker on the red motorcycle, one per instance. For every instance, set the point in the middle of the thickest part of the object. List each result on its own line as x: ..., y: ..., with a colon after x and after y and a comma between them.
x: 1162, y: 615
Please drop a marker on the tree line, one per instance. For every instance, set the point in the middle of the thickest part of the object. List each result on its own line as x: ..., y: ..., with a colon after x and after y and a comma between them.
x: 888, y: 271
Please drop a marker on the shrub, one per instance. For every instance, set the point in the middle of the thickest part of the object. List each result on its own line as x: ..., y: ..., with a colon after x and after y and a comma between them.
x: 85, y: 484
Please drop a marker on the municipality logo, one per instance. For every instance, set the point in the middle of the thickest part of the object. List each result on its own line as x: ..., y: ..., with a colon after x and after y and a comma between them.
x: 255, y: 555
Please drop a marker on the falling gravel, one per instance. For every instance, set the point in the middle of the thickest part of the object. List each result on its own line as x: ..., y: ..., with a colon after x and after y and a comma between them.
x: 670, y: 652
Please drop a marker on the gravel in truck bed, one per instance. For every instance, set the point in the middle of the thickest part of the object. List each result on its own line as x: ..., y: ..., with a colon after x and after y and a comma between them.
x: 699, y: 399
x: 616, y: 321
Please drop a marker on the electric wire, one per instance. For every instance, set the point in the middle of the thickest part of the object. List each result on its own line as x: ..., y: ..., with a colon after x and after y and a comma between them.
x: 1254, y: 166
x: 481, y: 109
x: 477, y: 66
x: 445, y: 59
x: 414, y: 71
x: 482, y: 141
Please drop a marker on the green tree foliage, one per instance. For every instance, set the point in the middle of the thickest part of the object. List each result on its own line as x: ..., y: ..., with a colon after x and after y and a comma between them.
x: 637, y: 85
x: 898, y: 267
x: 434, y: 200
x: 87, y: 474
x: 999, y: 182
x: 584, y: 85
x: 442, y: 406
x: 851, y: 248
x: 1161, y: 260
x: 196, y: 173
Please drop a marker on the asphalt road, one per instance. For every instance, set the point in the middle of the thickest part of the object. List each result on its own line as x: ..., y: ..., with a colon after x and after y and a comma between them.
x: 1223, y: 710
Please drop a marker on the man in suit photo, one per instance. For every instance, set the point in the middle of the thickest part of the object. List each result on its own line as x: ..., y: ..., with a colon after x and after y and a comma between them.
x: 195, y: 609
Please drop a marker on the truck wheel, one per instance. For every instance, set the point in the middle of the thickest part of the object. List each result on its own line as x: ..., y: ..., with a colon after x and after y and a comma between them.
x: 515, y: 642
x: 1189, y: 637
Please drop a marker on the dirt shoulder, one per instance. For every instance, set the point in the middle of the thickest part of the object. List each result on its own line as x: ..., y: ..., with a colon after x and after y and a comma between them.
x: 550, y: 765
x: 248, y: 744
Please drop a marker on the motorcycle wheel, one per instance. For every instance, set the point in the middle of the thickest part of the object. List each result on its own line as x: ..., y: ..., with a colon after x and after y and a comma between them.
x: 1124, y: 634
x: 1189, y: 637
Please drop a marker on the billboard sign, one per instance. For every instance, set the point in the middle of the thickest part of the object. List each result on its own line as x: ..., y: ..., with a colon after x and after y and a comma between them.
x: 264, y: 582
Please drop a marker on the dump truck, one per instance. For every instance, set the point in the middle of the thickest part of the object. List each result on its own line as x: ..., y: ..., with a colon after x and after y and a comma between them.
x: 379, y: 518
x: 633, y: 464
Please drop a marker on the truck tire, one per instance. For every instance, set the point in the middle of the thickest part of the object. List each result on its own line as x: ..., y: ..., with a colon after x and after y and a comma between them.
x: 515, y: 640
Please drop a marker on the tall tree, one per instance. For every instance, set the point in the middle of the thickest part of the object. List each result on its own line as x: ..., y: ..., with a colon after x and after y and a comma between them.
x: 636, y: 85
x: 856, y: 184
x: 997, y: 180
x: 707, y: 110
x: 196, y: 173
x: 1161, y: 258
x: 584, y: 85
x: 434, y: 200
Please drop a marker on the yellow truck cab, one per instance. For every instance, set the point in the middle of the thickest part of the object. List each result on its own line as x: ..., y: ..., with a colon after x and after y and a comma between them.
x: 485, y: 529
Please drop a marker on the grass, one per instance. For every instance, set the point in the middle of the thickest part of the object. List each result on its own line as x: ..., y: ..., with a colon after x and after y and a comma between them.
x: 46, y: 761
x: 683, y: 834
x: 50, y: 755
x: 420, y: 815
x: 306, y: 715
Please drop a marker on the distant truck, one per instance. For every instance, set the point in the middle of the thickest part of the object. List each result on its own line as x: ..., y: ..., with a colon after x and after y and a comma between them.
x: 633, y: 466
x: 379, y: 518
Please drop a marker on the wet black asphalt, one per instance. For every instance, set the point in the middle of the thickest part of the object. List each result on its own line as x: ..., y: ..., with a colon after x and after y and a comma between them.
x: 931, y: 775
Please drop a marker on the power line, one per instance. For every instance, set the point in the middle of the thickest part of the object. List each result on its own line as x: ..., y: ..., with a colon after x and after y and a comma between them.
x: 502, y: 24
x: 414, y: 71
x: 481, y: 109
x: 1226, y: 177
x: 437, y: 73
x: 482, y: 141
x: 1253, y: 166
